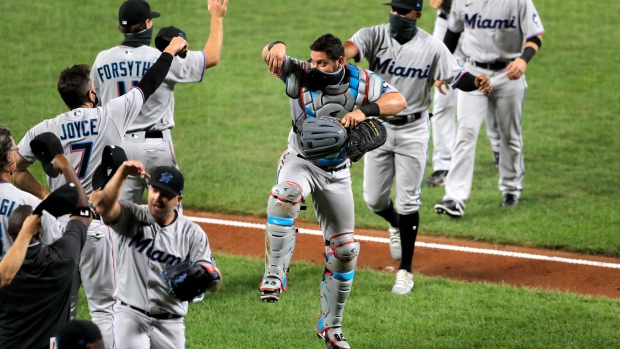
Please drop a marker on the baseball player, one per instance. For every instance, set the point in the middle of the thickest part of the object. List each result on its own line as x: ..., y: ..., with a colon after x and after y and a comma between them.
x: 322, y: 87
x: 119, y: 68
x: 150, y: 238
x: 500, y: 37
x: 12, y: 197
x: 411, y: 60
x: 84, y: 131
x: 443, y: 124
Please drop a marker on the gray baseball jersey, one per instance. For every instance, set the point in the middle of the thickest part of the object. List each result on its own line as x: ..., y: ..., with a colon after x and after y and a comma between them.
x: 84, y: 133
x: 11, y: 198
x: 120, y: 68
x: 498, y: 29
x: 411, y: 68
x: 145, y: 249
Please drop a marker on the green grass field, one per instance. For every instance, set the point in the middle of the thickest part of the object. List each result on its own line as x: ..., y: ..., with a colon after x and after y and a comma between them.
x: 232, y: 128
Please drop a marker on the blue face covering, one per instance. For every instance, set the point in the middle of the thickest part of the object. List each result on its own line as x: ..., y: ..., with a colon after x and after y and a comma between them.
x: 402, y: 29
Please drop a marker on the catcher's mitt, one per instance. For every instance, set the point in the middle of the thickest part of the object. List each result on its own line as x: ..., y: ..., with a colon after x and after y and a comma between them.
x: 187, y: 280
x: 368, y: 135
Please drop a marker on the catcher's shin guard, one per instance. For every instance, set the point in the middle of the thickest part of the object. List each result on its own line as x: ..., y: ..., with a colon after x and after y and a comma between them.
x: 341, y: 258
x: 282, y: 209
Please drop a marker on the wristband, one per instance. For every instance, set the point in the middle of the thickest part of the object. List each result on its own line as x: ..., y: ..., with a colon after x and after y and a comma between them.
x: 528, y: 53
x: 83, y: 211
x: 273, y: 43
x: 371, y: 109
x: 93, y: 211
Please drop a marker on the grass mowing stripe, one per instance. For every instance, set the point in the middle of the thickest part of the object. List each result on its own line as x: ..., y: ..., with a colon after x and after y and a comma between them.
x: 425, y: 244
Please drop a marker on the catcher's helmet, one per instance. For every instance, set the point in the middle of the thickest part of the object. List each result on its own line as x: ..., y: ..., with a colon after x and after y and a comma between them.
x: 321, y: 137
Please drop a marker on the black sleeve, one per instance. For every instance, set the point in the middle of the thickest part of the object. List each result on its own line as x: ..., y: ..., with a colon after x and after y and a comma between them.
x: 71, y: 243
x: 451, y: 40
x: 467, y: 83
x: 155, y: 75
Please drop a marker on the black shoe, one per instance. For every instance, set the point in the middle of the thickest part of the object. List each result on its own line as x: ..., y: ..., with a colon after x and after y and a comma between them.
x: 451, y: 208
x: 437, y: 178
x: 496, y: 161
x: 510, y: 200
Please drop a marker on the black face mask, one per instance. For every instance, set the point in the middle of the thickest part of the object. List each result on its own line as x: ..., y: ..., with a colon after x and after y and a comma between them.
x: 317, y: 79
x: 138, y: 39
x: 96, y: 102
x: 402, y: 29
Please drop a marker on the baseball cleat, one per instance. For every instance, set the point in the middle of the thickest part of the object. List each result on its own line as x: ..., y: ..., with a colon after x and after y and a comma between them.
x: 395, y: 246
x: 404, y: 282
x: 271, y: 288
x: 510, y: 200
x: 199, y: 298
x: 333, y: 337
x: 437, y: 179
x: 451, y: 208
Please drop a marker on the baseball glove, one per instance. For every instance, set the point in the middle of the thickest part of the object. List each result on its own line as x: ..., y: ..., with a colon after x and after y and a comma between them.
x: 187, y: 280
x: 368, y: 135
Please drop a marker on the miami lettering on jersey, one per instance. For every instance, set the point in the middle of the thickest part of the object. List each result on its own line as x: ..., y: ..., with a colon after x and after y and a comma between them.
x: 157, y: 256
x: 123, y: 69
x: 79, y: 129
x: 389, y: 67
x: 476, y: 21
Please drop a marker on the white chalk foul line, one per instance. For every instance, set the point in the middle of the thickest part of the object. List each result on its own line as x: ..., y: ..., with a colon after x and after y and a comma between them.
x: 425, y: 244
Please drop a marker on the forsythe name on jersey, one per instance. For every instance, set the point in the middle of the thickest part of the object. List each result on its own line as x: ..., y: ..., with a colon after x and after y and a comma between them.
x: 389, y: 66
x: 122, y: 69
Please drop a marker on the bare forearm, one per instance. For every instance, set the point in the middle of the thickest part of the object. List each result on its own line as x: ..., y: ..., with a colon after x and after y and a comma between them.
x: 391, y: 104
x: 14, y: 259
x: 108, y: 206
x: 213, y: 47
x: 26, y: 181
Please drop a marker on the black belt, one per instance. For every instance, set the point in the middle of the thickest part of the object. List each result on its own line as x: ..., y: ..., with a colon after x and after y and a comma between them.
x: 492, y: 66
x: 164, y: 316
x: 153, y: 134
x: 442, y: 15
x: 399, y: 120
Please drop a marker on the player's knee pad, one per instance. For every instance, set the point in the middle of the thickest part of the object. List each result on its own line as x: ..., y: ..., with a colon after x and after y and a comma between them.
x: 341, y: 258
x: 284, y: 204
x: 282, y: 208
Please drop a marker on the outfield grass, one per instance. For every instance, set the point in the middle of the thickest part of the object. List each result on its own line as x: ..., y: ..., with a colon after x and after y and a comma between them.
x: 232, y: 128
x: 440, y: 314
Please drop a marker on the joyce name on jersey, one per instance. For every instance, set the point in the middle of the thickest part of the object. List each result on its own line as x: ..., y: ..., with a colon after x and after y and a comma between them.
x: 411, y: 68
x: 84, y: 133
x: 145, y: 249
x: 494, y: 30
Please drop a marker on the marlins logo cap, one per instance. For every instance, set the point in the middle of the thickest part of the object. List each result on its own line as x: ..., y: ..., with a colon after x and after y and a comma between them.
x: 134, y: 12
x: 406, y: 4
x: 167, y: 178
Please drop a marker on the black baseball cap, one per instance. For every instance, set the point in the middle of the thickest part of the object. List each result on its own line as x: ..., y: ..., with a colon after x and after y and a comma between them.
x: 45, y: 147
x: 167, y: 178
x: 134, y: 12
x: 111, y: 159
x: 165, y: 35
x: 60, y: 202
x: 406, y: 4
x: 75, y: 334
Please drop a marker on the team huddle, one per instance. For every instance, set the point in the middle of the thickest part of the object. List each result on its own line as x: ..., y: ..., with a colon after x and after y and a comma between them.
x: 141, y: 264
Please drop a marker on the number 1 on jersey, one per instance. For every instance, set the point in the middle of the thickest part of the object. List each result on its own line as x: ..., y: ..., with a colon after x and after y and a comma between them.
x: 120, y: 86
x: 86, y: 149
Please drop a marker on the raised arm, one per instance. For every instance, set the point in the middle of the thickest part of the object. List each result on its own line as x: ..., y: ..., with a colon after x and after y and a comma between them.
x: 14, y: 258
x: 23, y: 179
x: 350, y: 50
x: 158, y: 71
x: 108, y: 206
x: 274, y: 55
x: 62, y: 164
x: 213, y: 47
